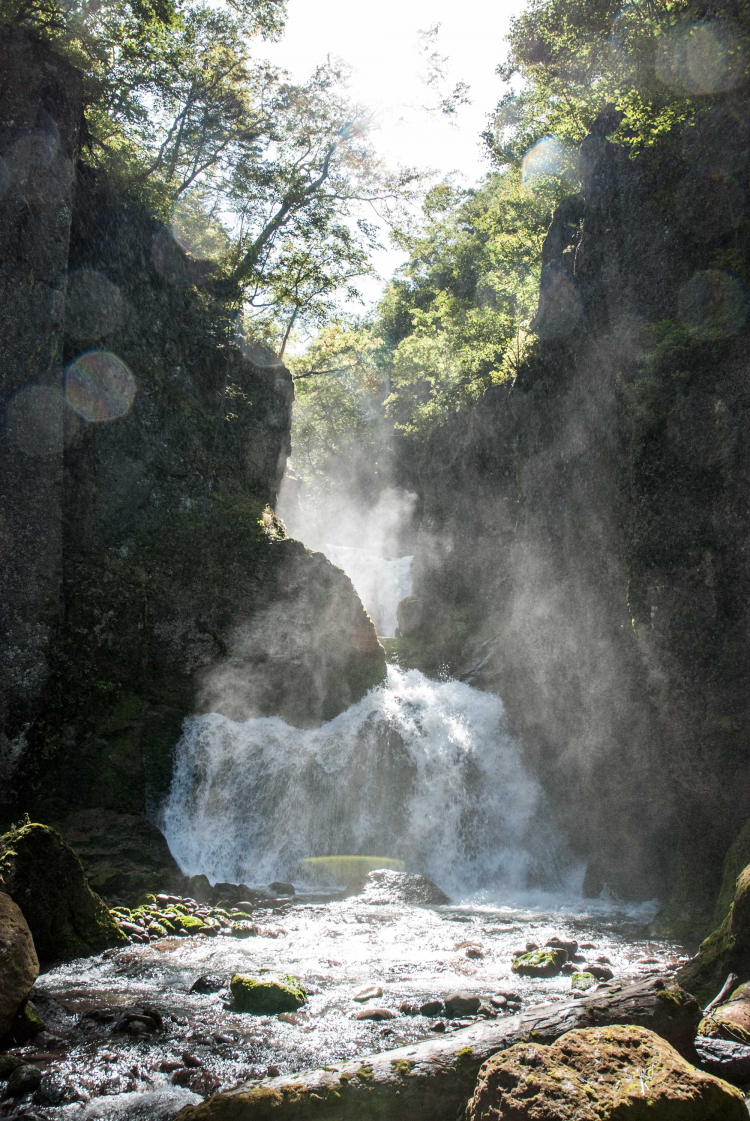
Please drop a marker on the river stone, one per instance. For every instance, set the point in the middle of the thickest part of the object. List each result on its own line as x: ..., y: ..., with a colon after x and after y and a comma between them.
x: 19, y: 967
x: 540, y: 963
x: 375, y: 1014
x: 280, y: 887
x: 725, y: 1059
x: 730, y: 1020
x: 600, y: 1074
x: 24, y: 1080
x: 264, y: 997
x: 582, y: 981
x: 386, y: 886
x: 460, y: 1004
x: 45, y: 878
x: 370, y: 993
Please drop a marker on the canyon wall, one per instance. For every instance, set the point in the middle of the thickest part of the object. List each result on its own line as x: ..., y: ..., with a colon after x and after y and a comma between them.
x: 583, y: 550
x: 146, y: 576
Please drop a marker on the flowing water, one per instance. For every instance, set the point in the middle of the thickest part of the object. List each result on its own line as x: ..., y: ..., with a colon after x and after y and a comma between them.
x: 420, y: 770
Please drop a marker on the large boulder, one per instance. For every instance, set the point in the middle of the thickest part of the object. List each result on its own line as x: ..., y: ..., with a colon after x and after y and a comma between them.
x: 45, y: 878
x: 386, y: 886
x: 731, y: 1019
x: 19, y: 966
x: 725, y: 951
x: 600, y: 1074
x: 264, y: 996
x: 122, y: 855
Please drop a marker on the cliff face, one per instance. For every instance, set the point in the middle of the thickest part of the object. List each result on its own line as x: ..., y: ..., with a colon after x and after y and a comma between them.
x: 147, y: 577
x: 602, y: 558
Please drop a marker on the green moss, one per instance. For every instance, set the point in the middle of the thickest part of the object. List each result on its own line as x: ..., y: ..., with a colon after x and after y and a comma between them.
x: 582, y: 981
x: 673, y: 996
x: 403, y: 1066
x: 540, y: 963
x: 192, y: 924
x: 267, y: 998
x: 365, y: 1073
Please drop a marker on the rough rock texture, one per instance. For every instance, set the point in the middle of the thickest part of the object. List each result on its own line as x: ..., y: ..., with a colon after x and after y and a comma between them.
x: 121, y: 854
x: 386, y: 886
x: 44, y: 877
x: 725, y: 951
x: 583, y: 547
x: 724, y: 1058
x: 600, y: 1074
x: 266, y: 997
x: 19, y: 965
x: 540, y: 963
x: 730, y: 1020
x: 148, y: 576
x: 431, y: 1081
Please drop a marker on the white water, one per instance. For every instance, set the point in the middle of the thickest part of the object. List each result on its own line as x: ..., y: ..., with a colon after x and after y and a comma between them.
x: 381, y: 582
x: 420, y: 770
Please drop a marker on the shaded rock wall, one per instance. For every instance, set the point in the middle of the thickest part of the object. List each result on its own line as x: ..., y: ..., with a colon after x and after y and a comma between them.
x: 600, y: 561
x: 168, y: 584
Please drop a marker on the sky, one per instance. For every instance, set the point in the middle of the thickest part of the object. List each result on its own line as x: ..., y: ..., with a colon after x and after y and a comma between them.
x: 380, y: 42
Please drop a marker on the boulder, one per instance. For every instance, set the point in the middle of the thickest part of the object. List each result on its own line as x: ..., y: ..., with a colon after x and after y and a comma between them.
x: 600, y: 1074
x: 725, y: 1059
x: 582, y: 981
x: 410, y: 616
x: 19, y: 966
x: 540, y: 963
x: 386, y: 886
x: 730, y: 1020
x: 725, y: 951
x: 122, y: 855
x: 458, y: 1004
x: 264, y: 997
x: 45, y: 878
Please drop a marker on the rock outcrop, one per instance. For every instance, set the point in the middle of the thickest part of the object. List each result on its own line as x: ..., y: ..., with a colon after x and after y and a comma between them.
x: 19, y: 965
x: 725, y: 951
x: 600, y: 1074
x: 44, y: 877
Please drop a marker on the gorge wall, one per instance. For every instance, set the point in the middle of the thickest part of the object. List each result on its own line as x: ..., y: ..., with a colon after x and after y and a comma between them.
x: 145, y: 576
x: 583, y: 546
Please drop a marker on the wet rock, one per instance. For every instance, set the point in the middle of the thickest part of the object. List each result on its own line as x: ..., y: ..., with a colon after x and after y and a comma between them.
x: 370, y: 993
x: 169, y: 1066
x: 273, y: 1072
x: 263, y: 997
x: 191, y: 1060
x: 431, y: 1008
x: 600, y: 1074
x: 568, y: 944
x: 438, y: 1026
x: 601, y: 972
x: 540, y: 963
x: 45, y: 879
x: 19, y: 966
x: 244, y: 930
x: 510, y: 995
x: 386, y: 886
x: 8, y: 1064
x: 24, y: 1080
x: 568, y: 968
x: 461, y: 1004
x: 208, y: 983
x: 408, y: 1008
x: 724, y: 1058
x: 730, y: 1020
x: 54, y: 1089
x: 156, y: 1105
x: 280, y: 887
x: 582, y: 981
x: 498, y: 1001
x: 27, y: 1024
x: 226, y: 891
x: 375, y: 1014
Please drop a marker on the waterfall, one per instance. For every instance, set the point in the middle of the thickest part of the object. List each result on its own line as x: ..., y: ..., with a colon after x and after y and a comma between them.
x: 420, y: 770
x: 381, y: 582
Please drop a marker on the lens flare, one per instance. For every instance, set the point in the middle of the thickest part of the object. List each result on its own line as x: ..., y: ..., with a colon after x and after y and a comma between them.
x: 94, y: 305
x: 713, y: 305
x: 197, y: 232
x: 705, y: 57
x: 99, y: 386
x: 549, y: 157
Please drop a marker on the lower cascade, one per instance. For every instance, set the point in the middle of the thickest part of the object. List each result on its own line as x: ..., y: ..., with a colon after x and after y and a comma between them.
x: 419, y: 770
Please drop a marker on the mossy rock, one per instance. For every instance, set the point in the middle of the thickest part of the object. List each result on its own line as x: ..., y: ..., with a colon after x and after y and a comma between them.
x: 601, y: 1074
x: 730, y: 1020
x: 46, y: 879
x: 725, y: 951
x: 265, y: 997
x: 582, y: 981
x: 193, y: 925
x: 540, y: 963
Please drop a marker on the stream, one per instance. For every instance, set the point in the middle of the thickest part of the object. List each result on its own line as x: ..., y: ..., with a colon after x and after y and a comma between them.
x: 419, y: 770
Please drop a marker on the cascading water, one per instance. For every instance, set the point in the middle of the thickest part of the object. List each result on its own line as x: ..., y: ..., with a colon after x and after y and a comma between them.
x: 381, y: 582
x: 421, y: 770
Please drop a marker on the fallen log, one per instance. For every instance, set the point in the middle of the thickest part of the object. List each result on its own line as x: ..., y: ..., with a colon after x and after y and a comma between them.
x: 430, y: 1081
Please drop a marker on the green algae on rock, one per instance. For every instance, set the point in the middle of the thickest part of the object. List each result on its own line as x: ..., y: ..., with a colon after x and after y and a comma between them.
x: 19, y: 966
x: 46, y: 879
x: 264, y: 997
x: 582, y: 981
x: 601, y: 1074
x: 540, y: 963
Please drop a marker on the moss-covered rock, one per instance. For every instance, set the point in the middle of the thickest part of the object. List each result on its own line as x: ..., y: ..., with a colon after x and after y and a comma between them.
x: 601, y: 1074
x: 265, y: 997
x: 725, y: 951
x: 46, y: 879
x: 582, y: 981
x: 19, y: 966
x: 540, y: 963
x: 730, y: 1020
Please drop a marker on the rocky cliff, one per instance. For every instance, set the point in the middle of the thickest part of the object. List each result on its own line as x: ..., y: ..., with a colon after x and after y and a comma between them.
x: 146, y: 576
x: 591, y: 526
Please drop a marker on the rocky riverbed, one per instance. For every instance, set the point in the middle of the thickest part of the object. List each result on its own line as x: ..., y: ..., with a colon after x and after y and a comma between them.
x: 141, y: 1030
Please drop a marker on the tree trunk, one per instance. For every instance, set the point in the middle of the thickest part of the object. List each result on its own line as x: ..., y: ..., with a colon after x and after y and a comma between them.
x: 430, y: 1081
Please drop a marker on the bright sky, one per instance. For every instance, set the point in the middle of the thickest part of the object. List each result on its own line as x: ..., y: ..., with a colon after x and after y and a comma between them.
x: 381, y: 44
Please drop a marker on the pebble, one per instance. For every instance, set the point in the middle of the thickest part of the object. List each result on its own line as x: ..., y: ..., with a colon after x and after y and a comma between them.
x: 190, y: 1060
x: 375, y: 1014
x: 370, y: 993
